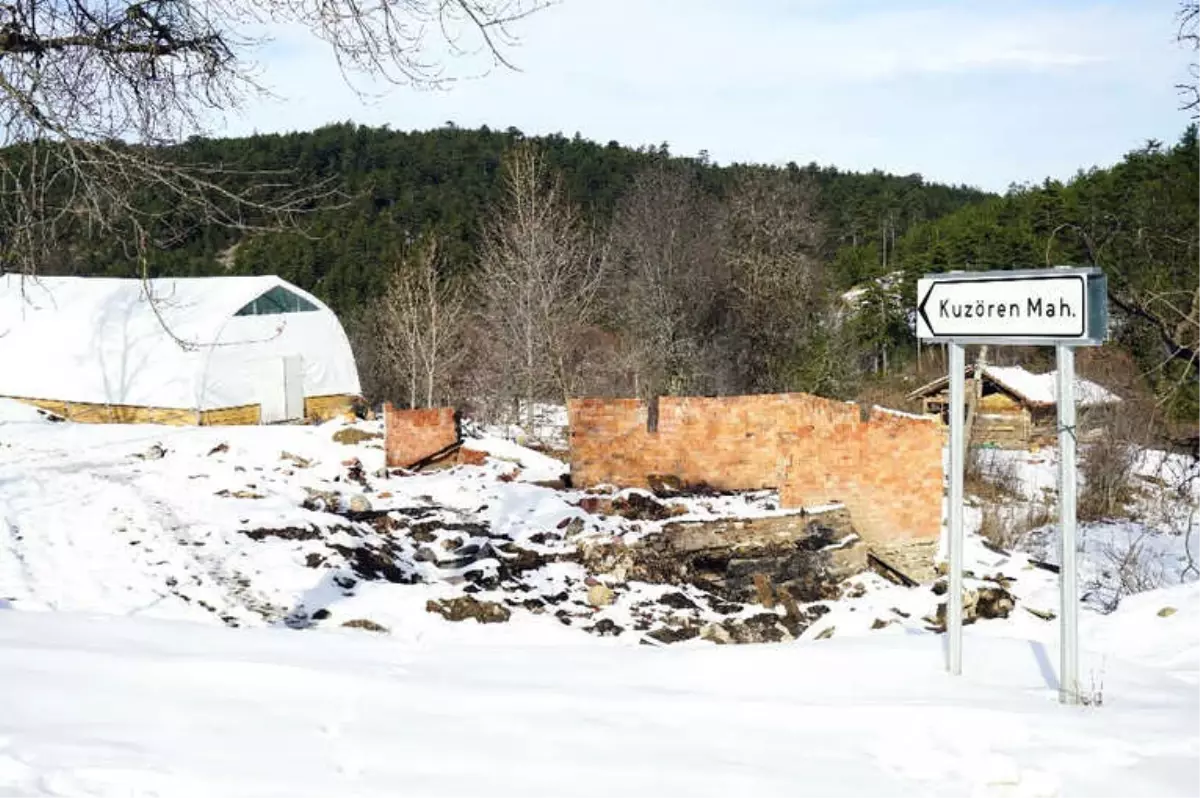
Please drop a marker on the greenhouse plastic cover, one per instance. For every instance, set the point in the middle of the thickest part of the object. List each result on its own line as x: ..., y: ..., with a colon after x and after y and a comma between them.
x: 166, y: 342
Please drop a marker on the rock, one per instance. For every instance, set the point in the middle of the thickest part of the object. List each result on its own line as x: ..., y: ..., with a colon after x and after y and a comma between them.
x: 326, y: 501
x: 666, y: 634
x: 301, y: 462
x: 422, y: 534
x: 716, y: 633
x: 766, y: 627
x: 351, y: 436
x: 600, y: 596
x: 1166, y: 612
x: 764, y: 589
x: 369, y: 625
x: 637, y: 506
x: 662, y: 485
x: 463, y: 607
x: 677, y: 601
x: 286, y: 533
x: 634, y: 505
x: 983, y: 602
x: 358, y: 503
x: 605, y: 627
x: 372, y: 563
x: 879, y: 623
x: 993, y: 602
x: 473, y: 457
x: 425, y: 554
x: 238, y: 494
x: 155, y: 452
x: 722, y: 607
x: 563, y: 482
x: 314, y: 560
x: 218, y: 449
x: 321, y: 614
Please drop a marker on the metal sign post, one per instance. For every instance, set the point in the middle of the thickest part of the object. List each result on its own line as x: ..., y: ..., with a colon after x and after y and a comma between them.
x: 1068, y: 679
x: 954, y: 603
x: 1064, y: 307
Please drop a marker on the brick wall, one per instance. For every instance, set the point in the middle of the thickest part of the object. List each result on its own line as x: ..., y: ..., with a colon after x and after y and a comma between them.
x: 413, y: 435
x: 886, y: 468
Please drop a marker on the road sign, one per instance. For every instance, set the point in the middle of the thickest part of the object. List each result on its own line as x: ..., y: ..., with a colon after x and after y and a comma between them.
x: 1045, y: 306
x: 1066, y: 307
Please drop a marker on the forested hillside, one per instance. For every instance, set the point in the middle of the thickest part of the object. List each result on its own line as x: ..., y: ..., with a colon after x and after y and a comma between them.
x: 673, y: 275
x: 1137, y: 220
x: 399, y: 185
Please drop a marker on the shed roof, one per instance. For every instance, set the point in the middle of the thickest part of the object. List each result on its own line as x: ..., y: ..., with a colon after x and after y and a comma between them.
x: 1033, y: 389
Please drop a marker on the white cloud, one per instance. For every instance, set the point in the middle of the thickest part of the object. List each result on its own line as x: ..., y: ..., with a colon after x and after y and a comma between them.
x: 977, y: 93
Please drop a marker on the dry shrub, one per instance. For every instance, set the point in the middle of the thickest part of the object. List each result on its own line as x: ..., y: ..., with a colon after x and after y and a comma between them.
x: 990, y: 475
x: 1007, y: 525
x: 1126, y: 567
x: 1107, y: 467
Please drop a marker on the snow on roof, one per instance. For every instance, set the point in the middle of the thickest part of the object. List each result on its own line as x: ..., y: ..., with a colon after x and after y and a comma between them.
x: 1036, y: 389
x: 1042, y: 389
x: 153, y: 342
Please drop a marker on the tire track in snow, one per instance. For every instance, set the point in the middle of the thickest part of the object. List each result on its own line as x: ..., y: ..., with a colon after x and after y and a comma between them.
x: 61, y: 553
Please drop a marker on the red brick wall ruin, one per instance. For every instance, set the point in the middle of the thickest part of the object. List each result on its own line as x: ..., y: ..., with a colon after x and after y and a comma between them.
x: 886, y: 468
x: 413, y: 435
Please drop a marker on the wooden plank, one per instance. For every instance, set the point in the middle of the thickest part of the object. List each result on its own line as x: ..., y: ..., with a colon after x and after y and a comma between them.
x: 323, y: 408
x: 231, y: 416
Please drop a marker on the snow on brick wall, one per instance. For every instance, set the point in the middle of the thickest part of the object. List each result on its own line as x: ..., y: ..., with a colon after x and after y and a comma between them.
x: 886, y: 468
x: 413, y: 435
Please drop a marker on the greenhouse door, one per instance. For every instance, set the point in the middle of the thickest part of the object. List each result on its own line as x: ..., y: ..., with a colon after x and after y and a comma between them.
x: 282, y: 390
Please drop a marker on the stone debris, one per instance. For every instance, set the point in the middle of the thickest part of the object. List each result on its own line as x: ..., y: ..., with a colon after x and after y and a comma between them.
x: 464, y: 607
x: 985, y: 601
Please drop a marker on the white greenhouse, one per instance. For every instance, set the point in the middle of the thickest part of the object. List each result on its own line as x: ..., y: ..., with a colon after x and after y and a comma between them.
x: 198, y: 350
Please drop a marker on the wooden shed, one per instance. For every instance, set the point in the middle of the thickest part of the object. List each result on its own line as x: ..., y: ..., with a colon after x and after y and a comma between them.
x: 1016, y: 407
x: 200, y: 350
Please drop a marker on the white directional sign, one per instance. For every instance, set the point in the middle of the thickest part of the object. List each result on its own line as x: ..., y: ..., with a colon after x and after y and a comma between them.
x: 1043, y: 307
x: 1066, y: 307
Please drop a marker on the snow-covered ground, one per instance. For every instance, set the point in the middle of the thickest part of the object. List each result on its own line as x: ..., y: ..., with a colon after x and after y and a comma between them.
x: 108, y: 706
x: 127, y: 553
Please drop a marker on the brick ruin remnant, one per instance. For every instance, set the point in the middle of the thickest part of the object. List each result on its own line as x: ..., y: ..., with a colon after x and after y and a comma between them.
x: 885, y: 467
x: 412, y: 436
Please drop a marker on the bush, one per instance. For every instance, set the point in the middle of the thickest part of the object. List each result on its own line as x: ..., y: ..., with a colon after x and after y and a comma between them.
x: 990, y: 474
x: 1108, y: 478
x: 1007, y: 525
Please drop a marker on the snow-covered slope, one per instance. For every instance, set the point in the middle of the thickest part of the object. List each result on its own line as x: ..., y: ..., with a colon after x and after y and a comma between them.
x: 131, y: 549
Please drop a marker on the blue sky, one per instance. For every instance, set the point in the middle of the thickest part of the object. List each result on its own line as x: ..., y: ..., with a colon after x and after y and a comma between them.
x: 981, y: 93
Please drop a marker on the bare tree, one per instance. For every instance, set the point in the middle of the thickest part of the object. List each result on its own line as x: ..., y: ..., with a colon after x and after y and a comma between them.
x: 781, y: 296
x: 1188, y: 35
x: 419, y: 324
x: 93, y: 92
x: 539, y: 281
x: 669, y: 284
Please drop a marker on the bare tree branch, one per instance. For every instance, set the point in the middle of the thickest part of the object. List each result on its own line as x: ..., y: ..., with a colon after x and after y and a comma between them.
x: 95, y: 96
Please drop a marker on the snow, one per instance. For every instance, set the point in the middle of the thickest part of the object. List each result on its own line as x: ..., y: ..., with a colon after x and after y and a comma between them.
x: 128, y: 552
x: 117, y: 706
x: 169, y: 342
x: 14, y: 411
x: 1043, y: 388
